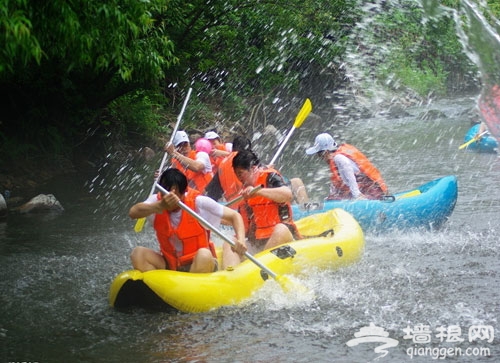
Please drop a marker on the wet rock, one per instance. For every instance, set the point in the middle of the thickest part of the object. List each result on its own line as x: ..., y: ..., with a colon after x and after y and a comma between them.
x: 431, y: 115
x: 147, y: 153
x: 3, y: 207
x: 397, y: 111
x: 42, y: 203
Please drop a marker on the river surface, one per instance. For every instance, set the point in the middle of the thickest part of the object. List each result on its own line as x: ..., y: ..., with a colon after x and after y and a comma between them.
x: 428, y: 291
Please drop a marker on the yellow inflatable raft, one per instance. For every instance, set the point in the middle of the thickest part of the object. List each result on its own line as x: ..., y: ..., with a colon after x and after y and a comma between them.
x: 334, y: 239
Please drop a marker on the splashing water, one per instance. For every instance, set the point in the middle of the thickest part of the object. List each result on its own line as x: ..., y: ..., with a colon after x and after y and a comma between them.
x: 481, y: 42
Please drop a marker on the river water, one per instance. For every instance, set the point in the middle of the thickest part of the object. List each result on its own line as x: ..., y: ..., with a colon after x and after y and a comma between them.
x: 428, y: 291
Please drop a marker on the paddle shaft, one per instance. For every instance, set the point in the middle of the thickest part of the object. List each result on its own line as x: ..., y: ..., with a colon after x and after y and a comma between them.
x: 139, y: 225
x: 207, y: 224
x: 237, y: 199
x: 474, y: 139
x: 305, y: 110
x: 282, y: 146
x: 177, y: 124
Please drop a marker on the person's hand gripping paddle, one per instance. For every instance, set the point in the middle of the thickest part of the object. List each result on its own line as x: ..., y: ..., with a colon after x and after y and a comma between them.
x: 139, y: 225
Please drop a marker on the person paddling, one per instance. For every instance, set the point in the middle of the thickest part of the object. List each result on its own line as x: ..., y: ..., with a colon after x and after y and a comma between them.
x: 267, y: 212
x: 225, y: 185
x: 219, y: 149
x: 353, y: 176
x: 195, y: 164
x: 184, y: 241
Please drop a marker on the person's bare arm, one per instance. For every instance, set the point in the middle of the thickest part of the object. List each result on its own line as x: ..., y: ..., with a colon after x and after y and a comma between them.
x: 233, y: 218
x: 279, y: 195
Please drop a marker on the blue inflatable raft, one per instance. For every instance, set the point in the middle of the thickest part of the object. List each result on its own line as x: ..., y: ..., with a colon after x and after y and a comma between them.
x: 425, y: 207
x: 486, y: 144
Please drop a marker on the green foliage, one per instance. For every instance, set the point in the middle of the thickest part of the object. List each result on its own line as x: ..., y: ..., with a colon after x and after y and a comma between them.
x: 11, y: 149
x: 494, y: 6
x: 70, y: 69
x: 135, y: 114
x: 416, y: 54
x: 18, y: 42
x: 117, y: 36
x: 423, y: 79
x: 246, y: 46
x: 62, y: 62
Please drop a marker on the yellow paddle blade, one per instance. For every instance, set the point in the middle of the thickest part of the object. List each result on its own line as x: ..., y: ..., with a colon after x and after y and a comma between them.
x: 474, y: 139
x: 139, y: 225
x: 294, y: 287
x: 303, y: 113
x: 467, y: 143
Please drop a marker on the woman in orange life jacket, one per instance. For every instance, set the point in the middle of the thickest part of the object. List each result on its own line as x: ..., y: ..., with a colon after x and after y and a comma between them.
x: 268, y: 210
x: 353, y: 175
x: 225, y: 185
x: 195, y: 164
x: 184, y: 242
x: 219, y: 149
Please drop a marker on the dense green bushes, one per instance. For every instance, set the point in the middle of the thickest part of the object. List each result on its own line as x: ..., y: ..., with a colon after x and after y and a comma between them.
x: 73, y: 73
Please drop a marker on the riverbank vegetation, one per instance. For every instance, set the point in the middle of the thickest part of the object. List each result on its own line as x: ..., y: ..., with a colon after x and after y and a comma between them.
x: 77, y: 76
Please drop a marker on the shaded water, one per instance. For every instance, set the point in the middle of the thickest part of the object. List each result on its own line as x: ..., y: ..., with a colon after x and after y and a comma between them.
x: 57, y: 269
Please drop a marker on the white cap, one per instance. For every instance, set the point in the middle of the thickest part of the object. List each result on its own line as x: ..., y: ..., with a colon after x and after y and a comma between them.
x: 180, y: 136
x: 211, y: 135
x: 321, y: 143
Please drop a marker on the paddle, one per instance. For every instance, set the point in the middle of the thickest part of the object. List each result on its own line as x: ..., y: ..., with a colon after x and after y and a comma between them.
x: 474, y: 139
x: 299, y: 120
x: 139, y: 225
x: 282, y: 280
x: 237, y: 199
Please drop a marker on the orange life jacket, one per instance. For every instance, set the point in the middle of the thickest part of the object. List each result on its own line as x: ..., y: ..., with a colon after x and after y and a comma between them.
x: 263, y: 214
x: 227, y: 178
x: 189, y: 231
x: 370, y: 181
x: 196, y: 179
x: 216, y: 160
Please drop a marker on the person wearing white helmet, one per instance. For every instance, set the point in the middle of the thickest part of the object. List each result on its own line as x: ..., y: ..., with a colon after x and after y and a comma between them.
x: 219, y: 149
x: 195, y: 164
x: 353, y: 176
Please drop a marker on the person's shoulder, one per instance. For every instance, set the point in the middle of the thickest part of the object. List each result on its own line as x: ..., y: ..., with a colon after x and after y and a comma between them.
x: 204, y: 200
x: 202, y: 154
x: 151, y: 199
x: 274, y: 179
x: 340, y: 158
x: 204, y: 203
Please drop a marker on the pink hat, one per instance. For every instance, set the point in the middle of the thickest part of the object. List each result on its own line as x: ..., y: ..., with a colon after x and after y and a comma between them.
x: 203, y: 144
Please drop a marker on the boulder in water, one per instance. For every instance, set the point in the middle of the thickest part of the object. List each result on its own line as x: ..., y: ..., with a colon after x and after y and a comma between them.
x: 42, y: 203
x: 3, y: 207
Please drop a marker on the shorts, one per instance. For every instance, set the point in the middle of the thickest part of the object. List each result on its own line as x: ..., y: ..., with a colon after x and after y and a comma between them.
x: 186, y: 268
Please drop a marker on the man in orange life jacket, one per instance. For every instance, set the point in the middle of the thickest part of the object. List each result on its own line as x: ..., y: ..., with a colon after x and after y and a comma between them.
x: 226, y: 184
x: 266, y: 212
x: 353, y: 175
x: 195, y: 164
x: 184, y: 242
x: 219, y: 149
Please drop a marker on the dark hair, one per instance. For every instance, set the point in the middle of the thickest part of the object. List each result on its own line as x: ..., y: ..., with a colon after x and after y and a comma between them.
x: 171, y: 177
x: 241, y: 143
x: 245, y: 159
